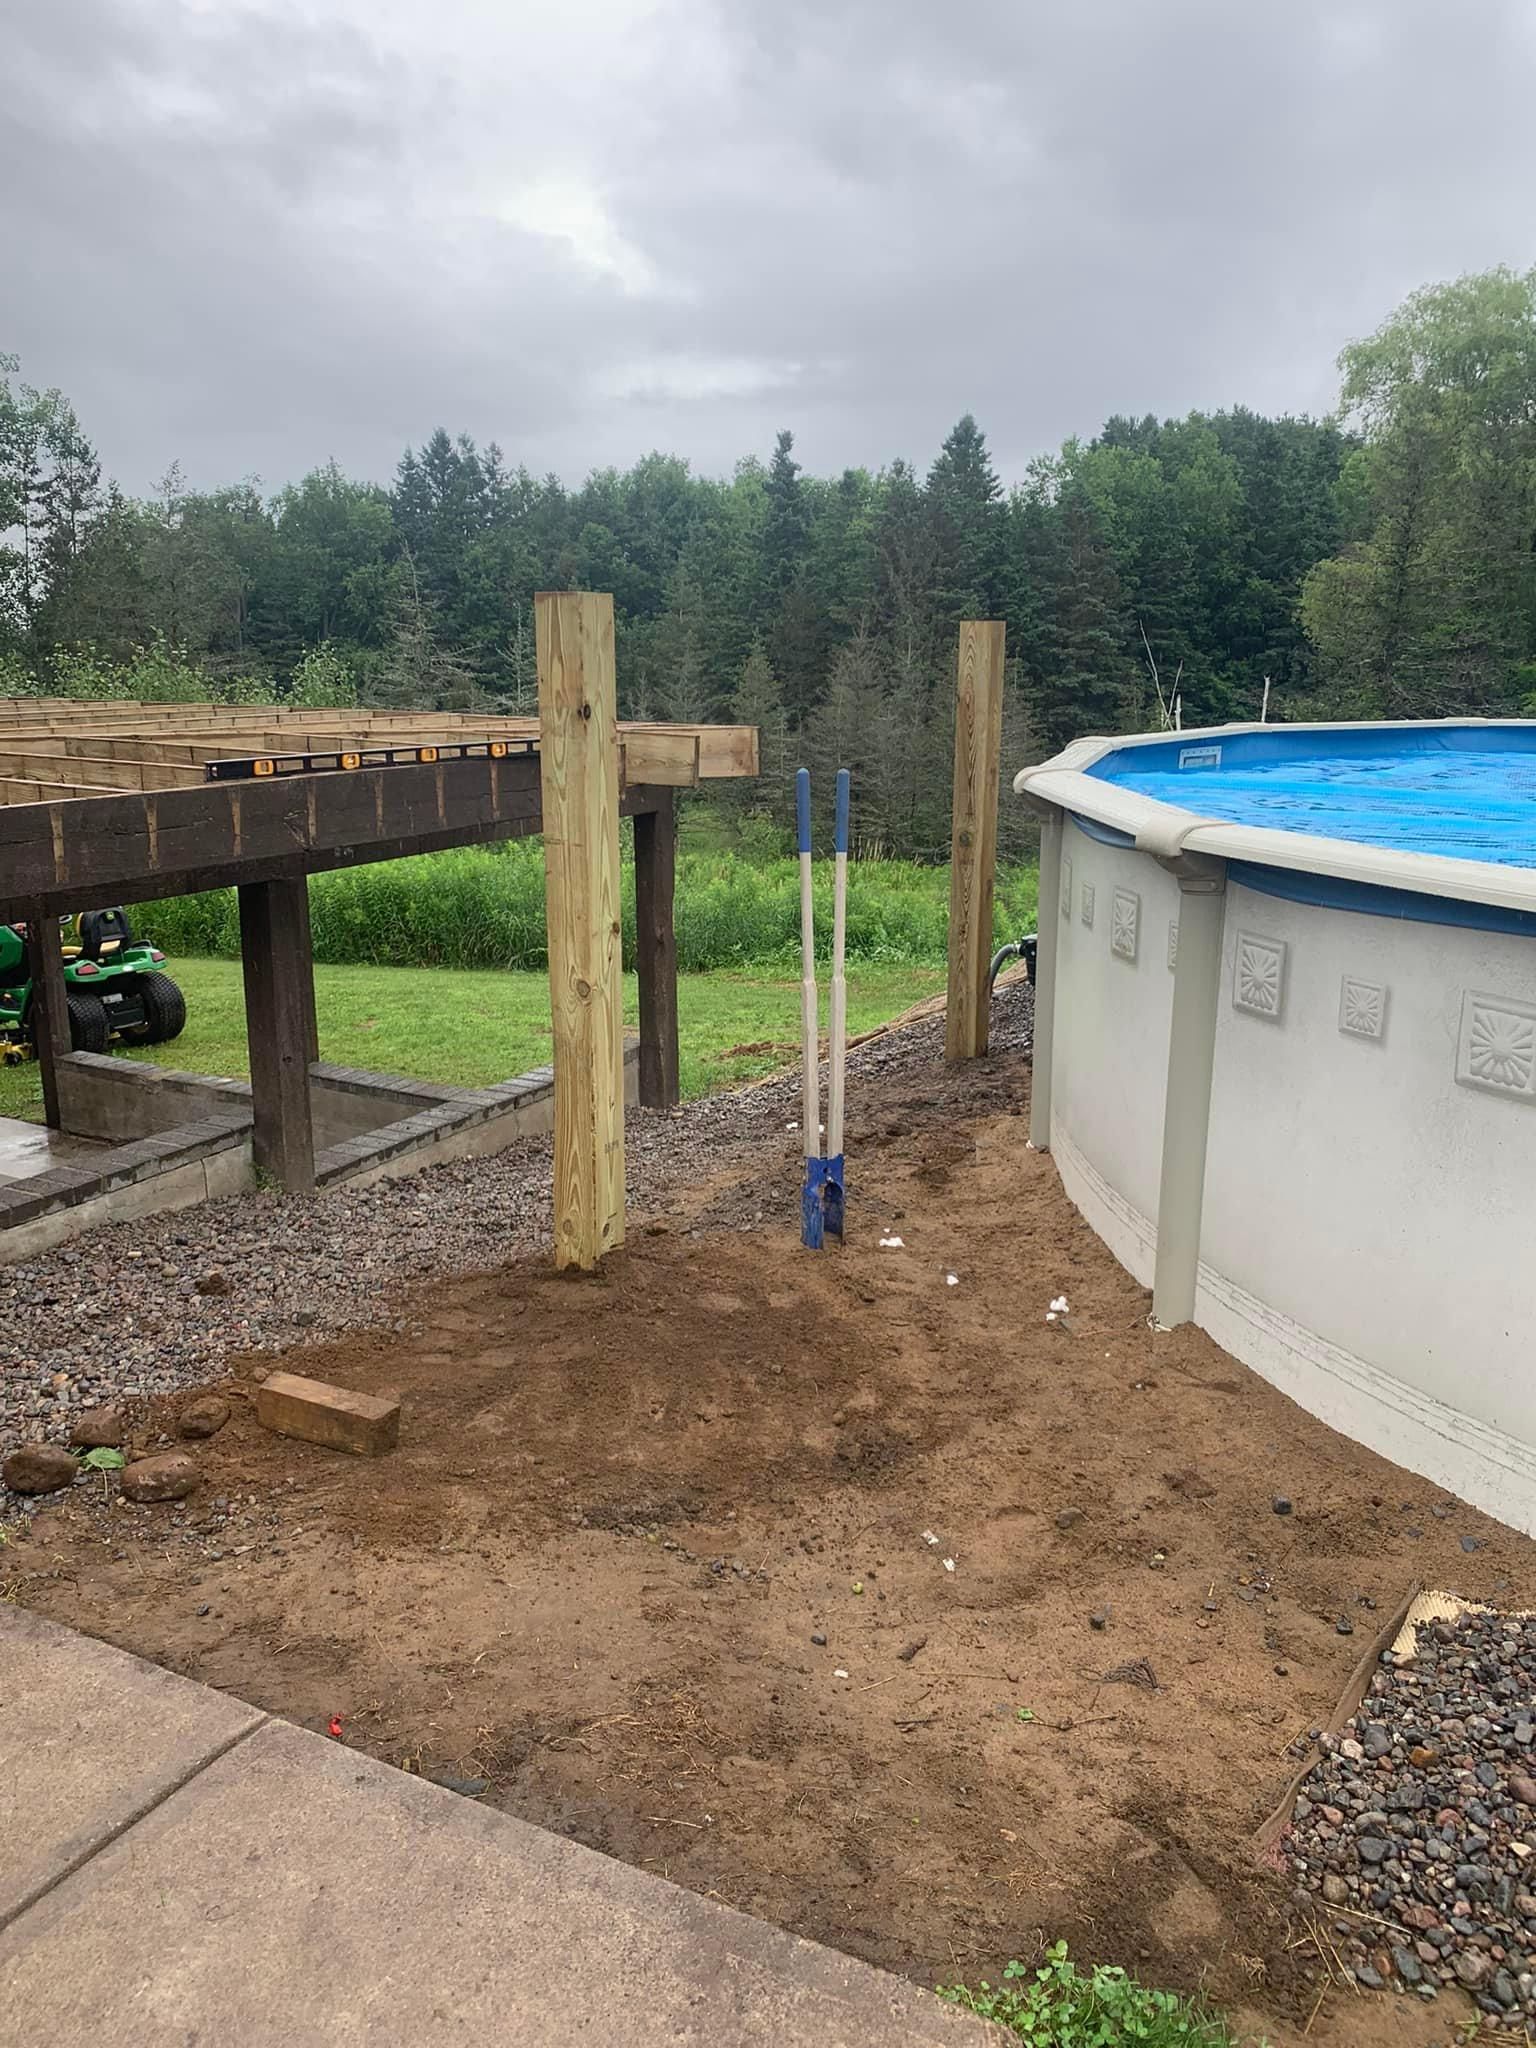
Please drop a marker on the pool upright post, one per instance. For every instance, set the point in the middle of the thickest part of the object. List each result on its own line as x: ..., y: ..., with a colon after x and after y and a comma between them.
x: 1187, y: 1101
x: 1047, y: 923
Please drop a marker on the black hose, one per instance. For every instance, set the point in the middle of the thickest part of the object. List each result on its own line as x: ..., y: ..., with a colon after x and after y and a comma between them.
x: 1021, y: 949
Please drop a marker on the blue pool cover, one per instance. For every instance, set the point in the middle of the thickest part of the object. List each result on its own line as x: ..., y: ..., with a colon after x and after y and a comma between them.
x: 1465, y: 791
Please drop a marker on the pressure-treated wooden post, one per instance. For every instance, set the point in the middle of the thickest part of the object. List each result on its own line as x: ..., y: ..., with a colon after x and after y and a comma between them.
x: 579, y: 775
x: 656, y: 951
x: 279, y: 1026
x: 973, y: 853
x: 48, y: 1018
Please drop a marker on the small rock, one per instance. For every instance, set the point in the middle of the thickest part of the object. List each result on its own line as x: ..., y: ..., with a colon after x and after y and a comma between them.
x: 1523, y: 1789
x: 467, y: 1788
x: 819, y: 1640
x: 1421, y: 1757
x: 1472, y: 1968
x: 1335, y: 1890
x: 1470, y: 1543
x: 215, y: 1281
x: 1069, y: 1518
x: 1370, y: 1978
x: 203, y: 1418
x: 1373, y: 1849
x: 1281, y: 1505
x: 1282, y: 1671
x: 1099, y: 1618
x: 1344, y: 1625
x: 204, y: 1609
x: 171, y: 1476
x: 1407, y: 1965
x: 910, y: 1650
x: 39, y: 1468
x: 99, y: 1429
x: 1377, y: 1740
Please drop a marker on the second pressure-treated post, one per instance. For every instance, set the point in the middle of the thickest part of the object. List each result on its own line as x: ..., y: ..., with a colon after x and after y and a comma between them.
x: 973, y: 853
x: 579, y: 776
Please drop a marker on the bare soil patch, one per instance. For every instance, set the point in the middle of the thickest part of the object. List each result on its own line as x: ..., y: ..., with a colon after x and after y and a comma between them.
x: 623, y: 1508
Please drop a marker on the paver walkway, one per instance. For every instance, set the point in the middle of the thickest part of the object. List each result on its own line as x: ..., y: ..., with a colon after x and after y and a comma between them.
x: 176, y: 1867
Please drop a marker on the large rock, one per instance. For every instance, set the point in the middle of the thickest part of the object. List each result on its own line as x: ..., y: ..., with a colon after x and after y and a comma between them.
x: 99, y: 1429
x: 205, y: 1417
x: 171, y: 1476
x: 39, y: 1468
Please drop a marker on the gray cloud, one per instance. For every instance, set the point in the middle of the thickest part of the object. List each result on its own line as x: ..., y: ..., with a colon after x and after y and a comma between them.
x: 253, y: 238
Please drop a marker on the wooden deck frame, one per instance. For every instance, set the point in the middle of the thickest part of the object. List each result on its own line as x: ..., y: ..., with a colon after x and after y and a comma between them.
x: 111, y: 804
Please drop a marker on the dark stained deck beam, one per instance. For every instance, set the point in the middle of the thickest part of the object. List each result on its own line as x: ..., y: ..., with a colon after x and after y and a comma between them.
x: 112, y: 849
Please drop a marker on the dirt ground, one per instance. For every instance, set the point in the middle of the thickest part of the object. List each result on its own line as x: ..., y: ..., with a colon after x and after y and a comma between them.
x: 625, y: 1509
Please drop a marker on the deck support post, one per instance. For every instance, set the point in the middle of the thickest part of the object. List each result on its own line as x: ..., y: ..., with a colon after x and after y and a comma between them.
x: 1187, y: 1099
x: 973, y: 854
x: 1048, y: 923
x: 280, y: 1026
x: 48, y: 1021
x: 579, y: 774
x: 656, y: 952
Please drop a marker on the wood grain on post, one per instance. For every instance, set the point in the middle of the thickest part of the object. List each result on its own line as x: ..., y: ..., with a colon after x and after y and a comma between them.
x: 973, y: 854
x: 579, y: 774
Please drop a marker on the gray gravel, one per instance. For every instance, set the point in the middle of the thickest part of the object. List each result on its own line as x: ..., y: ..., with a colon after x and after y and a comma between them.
x: 1422, y: 1815
x: 149, y: 1308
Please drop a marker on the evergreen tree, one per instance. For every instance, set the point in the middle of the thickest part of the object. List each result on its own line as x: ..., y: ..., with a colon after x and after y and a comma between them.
x: 1087, y: 675
x: 965, y: 509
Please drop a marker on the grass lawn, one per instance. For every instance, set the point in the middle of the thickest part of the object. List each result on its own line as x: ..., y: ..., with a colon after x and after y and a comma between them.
x: 442, y: 1024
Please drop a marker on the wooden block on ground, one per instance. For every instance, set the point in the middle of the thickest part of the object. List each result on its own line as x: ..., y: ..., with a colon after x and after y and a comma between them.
x: 322, y: 1414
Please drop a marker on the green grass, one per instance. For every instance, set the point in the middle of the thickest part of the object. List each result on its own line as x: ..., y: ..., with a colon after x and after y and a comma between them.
x: 1060, y: 2006
x: 471, y: 1028
x: 484, y: 907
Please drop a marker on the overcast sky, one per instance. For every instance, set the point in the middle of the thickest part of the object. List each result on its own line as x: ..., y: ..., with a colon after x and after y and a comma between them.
x: 251, y: 237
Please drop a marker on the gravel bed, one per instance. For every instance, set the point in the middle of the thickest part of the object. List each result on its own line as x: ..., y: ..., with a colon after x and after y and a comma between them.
x: 143, y: 1309
x: 1422, y: 1814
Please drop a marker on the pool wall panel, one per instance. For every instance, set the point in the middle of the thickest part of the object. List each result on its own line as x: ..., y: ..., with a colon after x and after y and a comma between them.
x: 1111, y: 1044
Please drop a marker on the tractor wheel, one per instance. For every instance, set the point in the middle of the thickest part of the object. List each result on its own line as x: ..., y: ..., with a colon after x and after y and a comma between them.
x: 165, y: 1008
x: 89, y: 1027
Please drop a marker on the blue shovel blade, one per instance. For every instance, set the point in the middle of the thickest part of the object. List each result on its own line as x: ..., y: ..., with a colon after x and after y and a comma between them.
x: 810, y: 1204
x: 832, y: 1196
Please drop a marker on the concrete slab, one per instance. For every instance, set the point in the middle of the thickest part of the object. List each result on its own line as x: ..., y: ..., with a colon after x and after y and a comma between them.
x: 295, y: 1892
x: 90, y: 1739
x: 27, y: 1149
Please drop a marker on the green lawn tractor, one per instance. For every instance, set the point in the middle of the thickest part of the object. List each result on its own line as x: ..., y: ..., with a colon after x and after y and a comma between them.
x: 113, y: 987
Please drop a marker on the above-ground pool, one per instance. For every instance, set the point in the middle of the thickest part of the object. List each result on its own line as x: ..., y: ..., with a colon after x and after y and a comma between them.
x: 1286, y: 1062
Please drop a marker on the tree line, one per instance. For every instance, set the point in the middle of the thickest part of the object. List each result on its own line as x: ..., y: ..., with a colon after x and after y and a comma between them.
x: 1377, y: 563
